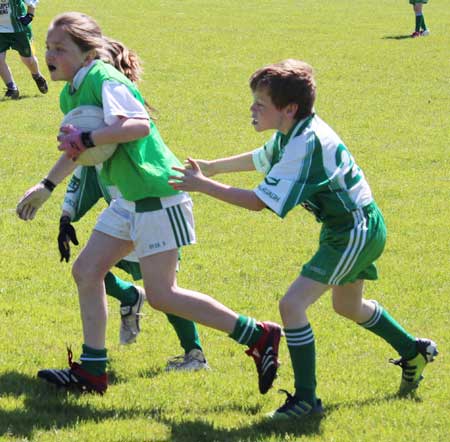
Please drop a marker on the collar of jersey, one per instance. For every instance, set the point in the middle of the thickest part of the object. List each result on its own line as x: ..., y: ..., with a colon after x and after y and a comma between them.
x: 295, y: 131
x: 79, y: 76
x: 301, y: 126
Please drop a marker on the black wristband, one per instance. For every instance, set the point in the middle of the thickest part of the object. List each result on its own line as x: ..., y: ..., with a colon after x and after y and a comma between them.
x: 65, y: 219
x: 49, y: 185
x: 86, y: 139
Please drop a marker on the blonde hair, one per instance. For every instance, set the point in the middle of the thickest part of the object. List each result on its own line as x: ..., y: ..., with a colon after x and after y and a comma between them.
x: 289, y: 81
x: 87, y: 35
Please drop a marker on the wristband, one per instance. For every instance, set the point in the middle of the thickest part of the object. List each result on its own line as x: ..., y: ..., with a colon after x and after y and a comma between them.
x: 86, y: 139
x: 49, y: 185
x: 65, y: 219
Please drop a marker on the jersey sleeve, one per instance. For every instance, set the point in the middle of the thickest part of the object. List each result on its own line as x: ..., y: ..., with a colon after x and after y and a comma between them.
x: 288, y: 182
x: 32, y: 3
x: 118, y: 101
x: 82, y: 193
x: 262, y: 156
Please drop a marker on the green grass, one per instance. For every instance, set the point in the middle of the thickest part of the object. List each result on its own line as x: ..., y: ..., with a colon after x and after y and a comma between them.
x: 387, y: 96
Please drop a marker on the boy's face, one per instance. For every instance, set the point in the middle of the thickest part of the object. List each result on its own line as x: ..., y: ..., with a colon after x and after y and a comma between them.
x: 63, y: 57
x: 265, y: 115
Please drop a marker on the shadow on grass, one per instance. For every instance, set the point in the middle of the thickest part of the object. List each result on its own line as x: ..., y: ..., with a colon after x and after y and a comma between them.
x: 397, y: 37
x: 151, y: 373
x: 22, y: 97
x: 190, y: 431
x: 373, y: 401
x: 206, y: 431
x: 44, y: 408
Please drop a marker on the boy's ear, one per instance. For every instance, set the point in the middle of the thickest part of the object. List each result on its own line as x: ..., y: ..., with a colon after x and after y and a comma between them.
x: 291, y: 109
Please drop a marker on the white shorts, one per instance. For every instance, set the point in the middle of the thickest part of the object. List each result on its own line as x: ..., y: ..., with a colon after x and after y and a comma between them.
x: 151, y: 232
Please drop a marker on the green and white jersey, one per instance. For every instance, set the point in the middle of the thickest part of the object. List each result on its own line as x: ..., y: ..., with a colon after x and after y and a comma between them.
x: 140, y: 168
x: 311, y: 167
x: 10, y: 10
x: 83, y: 191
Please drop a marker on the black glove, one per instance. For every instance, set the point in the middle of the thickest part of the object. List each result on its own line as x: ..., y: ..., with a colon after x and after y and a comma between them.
x: 66, y: 234
x: 26, y: 19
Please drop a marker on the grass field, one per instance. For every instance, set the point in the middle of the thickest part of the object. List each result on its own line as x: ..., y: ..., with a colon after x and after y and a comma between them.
x: 388, y: 97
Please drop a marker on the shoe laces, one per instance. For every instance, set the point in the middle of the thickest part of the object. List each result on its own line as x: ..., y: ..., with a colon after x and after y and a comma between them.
x: 128, y: 320
x: 402, y: 362
x: 70, y: 357
x: 289, y: 402
x: 177, y: 359
x: 408, y: 369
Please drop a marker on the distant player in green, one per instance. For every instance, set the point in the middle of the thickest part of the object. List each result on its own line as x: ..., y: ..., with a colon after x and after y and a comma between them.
x: 146, y: 214
x: 420, y: 29
x: 15, y: 33
x: 84, y: 190
x: 306, y: 164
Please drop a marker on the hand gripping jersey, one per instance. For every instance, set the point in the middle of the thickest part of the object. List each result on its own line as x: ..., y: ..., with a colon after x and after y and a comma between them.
x: 311, y: 167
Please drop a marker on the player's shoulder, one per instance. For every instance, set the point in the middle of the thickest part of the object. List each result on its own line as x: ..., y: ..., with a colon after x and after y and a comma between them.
x: 324, y: 133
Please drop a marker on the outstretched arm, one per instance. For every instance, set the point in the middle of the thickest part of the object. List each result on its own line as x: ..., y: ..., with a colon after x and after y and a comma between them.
x: 237, y: 163
x: 37, y: 195
x: 193, y: 180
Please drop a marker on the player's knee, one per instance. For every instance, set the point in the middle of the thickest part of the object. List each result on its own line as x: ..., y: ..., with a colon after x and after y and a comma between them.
x: 158, y: 298
x: 288, y: 304
x: 84, y: 272
x: 346, y: 310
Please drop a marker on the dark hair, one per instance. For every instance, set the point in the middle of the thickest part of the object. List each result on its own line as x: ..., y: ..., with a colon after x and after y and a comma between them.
x: 289, y: 81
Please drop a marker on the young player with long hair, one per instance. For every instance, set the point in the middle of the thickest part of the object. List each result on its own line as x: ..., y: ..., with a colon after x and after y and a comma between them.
x: 306, y: 163
x: 146, y: 215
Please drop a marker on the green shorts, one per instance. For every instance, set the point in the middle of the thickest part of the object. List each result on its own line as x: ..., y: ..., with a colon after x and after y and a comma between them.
x: 413, y: 2
x: 22, y: 42
x: 348, y: 248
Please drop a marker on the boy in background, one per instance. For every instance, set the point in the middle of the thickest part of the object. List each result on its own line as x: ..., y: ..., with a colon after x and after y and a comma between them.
x: 421, y: 29
x: 15, y: 33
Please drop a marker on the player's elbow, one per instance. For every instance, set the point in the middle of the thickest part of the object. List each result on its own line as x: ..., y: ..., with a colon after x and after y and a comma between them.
x: 144, y: 129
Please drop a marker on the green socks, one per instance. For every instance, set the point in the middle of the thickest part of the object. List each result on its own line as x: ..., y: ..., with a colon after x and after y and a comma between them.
x: 418, y: 22
x: 93, y: 360
x: 302, y: 350
x: 423, y: 25
x: 186, y: 331
x: 246, y: 331
x: 383, y: 325
x: 124, y: 291
x: 127, y: 294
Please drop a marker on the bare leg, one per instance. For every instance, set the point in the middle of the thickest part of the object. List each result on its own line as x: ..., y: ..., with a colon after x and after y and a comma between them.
x: 32, y: 64
x: 5, y: 72
x: 164, y: 294
x: 301, y: 294
x: 348, y: 302
x: 89, y: 270
x: 417, y: 8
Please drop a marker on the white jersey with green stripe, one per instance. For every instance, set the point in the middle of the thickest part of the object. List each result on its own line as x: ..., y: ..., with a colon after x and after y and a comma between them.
x: 311, y: 167
x: 83, y: 191
x: 10, y: 10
